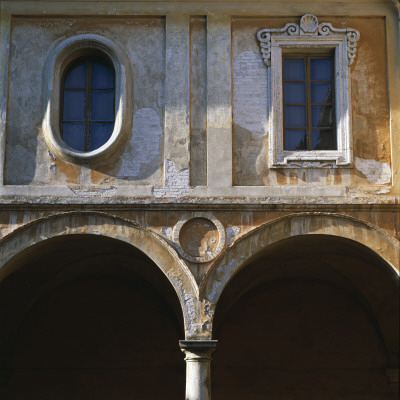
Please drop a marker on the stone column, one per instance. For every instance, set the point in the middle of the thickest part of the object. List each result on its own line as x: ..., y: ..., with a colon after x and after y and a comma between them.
x: 198, y: 358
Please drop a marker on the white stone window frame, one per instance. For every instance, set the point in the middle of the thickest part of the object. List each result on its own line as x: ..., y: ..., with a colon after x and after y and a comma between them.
x: 309, y: 36
x: 60, y: 57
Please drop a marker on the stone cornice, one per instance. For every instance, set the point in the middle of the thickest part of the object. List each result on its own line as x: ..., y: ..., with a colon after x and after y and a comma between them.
x: 228, y: 204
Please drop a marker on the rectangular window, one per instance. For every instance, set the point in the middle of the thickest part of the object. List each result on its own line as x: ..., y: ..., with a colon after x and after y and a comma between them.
x: 308, y: 103
x: 308, y: 83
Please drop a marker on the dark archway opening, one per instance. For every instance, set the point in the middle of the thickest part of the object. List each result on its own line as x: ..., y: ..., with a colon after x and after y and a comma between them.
x: 89, y: 317
x: 300, y: 322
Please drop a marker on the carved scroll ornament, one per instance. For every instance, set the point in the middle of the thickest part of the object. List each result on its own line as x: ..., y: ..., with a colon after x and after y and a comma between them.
x: 308, y: 26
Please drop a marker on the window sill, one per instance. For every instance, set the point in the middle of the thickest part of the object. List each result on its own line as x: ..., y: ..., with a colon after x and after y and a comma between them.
x: 311, y: 159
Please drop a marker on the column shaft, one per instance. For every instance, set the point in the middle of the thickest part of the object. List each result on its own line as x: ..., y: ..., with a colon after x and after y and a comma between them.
x: 198, y: 359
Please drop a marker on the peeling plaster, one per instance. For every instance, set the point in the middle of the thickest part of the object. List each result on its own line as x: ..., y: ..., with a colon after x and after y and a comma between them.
x: 103, y: 191
x: 145, y: 144
x: 382, y: 191
x: 207, y: 309
x: 207, y: 326
x: 52, y: 155
x: 250, y: 93
x: 176, y: 182
x: 377, y: 172
x: 217, y: 284
x: 189, y: 308
x: 231, y: 231
x: 167, y: 231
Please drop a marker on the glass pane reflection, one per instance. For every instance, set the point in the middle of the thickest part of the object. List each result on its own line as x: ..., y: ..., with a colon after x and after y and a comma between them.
x: 102, y: 76
x: 295, y: 139
x: 323, y: 139
x: 102, y: 105
x: 75, y: 77
x: 322, y: 116
x: 73, y: 134
x: 295, y: 116
x: 294, y: 92
x: 321, y: 69
x: 74, y: 105
x: 293, y: 69
x: 321, y: 92
x: 99, y: 134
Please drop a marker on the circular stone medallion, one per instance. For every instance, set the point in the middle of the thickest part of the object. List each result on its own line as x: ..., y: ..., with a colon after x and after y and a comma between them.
x: 200, y: 238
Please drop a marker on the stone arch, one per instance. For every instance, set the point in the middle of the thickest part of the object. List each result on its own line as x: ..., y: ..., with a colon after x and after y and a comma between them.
x: 95, y: 223
x: 367, y: 239
x: 251, y: 244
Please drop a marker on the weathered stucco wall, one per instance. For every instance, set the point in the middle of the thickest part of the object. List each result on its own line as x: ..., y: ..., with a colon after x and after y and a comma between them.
x: 180, y: 117
x: 236, y: 224
x: 369, y: 102
x: 198, y: 101
x: 28, y: 161
x: 183, y: 228
x: 318, y: 278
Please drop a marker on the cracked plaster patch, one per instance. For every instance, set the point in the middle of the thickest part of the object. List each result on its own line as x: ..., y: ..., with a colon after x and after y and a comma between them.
x: 231, y: 231
x: 377, y: 172
x: 218, y: 284
x: 176, y: 182
x: 104, y: 191
x: 145, y: 144
x: 250, y: 93
x: 189, y: 309
x: 167, y: 231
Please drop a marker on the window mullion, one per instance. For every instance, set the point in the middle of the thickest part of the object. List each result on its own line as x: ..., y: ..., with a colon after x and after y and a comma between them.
x: 333, y: 101
x: 88, y: 101
x: 308, y: 104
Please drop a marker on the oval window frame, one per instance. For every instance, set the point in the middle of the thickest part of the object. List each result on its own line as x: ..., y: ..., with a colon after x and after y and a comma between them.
x: 58, y: 61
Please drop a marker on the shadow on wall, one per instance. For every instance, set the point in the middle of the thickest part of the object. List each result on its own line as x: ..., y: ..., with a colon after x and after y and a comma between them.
x: 27, y: 157
x: 140, y: 157
x: 91, y: 318
x: 312, y: 317
x: 250, y: 116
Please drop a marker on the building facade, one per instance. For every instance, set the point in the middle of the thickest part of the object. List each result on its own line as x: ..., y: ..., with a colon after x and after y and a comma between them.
x: 183, y: 181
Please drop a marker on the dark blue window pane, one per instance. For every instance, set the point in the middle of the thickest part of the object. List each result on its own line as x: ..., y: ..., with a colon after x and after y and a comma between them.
x: 74, y: 105
x: 102, y: 105
x: 295, y: 139
x: 99, y: 134
x: 73, y: 134
x: 322, y: 116
x: 88, y: 121
x: 321, y: 68
x: 75, y: 77
x: 294, y: 92
x: 102, y: 76
x: 293, y: 69
x: 295, y: 116
x: 323, y: 139
x: 321, y: 92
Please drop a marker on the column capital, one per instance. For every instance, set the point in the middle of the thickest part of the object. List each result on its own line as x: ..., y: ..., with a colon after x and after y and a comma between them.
x: 198, y: 350
x: 198, y: 344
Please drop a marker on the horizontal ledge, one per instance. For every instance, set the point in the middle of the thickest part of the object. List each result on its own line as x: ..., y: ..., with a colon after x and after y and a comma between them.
x: 194, y: 7
x: 198, y: 344
x: 198, y: 204
x: 130, y: 194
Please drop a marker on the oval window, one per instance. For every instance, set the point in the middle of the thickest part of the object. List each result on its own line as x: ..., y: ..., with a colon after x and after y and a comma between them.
x: 87, y: 103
